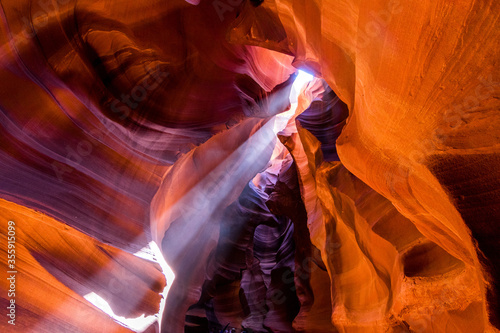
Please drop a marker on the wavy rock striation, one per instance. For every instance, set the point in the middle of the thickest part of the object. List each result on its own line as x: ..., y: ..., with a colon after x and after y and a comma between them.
x: 369, y: 202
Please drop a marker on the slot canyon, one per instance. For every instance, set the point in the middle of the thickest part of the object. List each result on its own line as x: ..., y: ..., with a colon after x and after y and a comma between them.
x: 250, y: 166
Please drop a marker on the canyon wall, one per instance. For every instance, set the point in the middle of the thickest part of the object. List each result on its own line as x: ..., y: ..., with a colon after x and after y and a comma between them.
x: 372, y: 204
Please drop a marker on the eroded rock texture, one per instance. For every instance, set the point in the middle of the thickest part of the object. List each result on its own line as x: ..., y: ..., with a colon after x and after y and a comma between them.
x: 369, y: 201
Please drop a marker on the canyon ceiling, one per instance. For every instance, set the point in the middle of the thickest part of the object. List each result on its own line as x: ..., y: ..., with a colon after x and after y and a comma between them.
x: 165, y: 171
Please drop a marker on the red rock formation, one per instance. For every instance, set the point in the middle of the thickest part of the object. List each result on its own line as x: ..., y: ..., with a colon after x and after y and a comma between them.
x: 57, y: 266
x: 127, y: 123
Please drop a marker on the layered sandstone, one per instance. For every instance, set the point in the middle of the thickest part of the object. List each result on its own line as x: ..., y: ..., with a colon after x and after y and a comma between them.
x: 370, y: 204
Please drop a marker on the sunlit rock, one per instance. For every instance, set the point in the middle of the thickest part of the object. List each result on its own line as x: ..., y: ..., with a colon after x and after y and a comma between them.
x: 166, y: 169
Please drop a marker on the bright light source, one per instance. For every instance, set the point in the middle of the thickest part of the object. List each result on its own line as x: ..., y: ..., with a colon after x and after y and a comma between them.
x: 303, y: 78
x: 146, y: 253
x: 152, y: 253
x: 139, y: 324
x: 167, y: 271
x: 300, y: 82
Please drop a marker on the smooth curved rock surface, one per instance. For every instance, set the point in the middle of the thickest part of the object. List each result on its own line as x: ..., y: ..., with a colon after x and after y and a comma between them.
x: 369, y: 204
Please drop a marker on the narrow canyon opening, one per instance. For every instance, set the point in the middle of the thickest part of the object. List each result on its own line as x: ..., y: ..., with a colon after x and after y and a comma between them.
x: 249, y: 166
